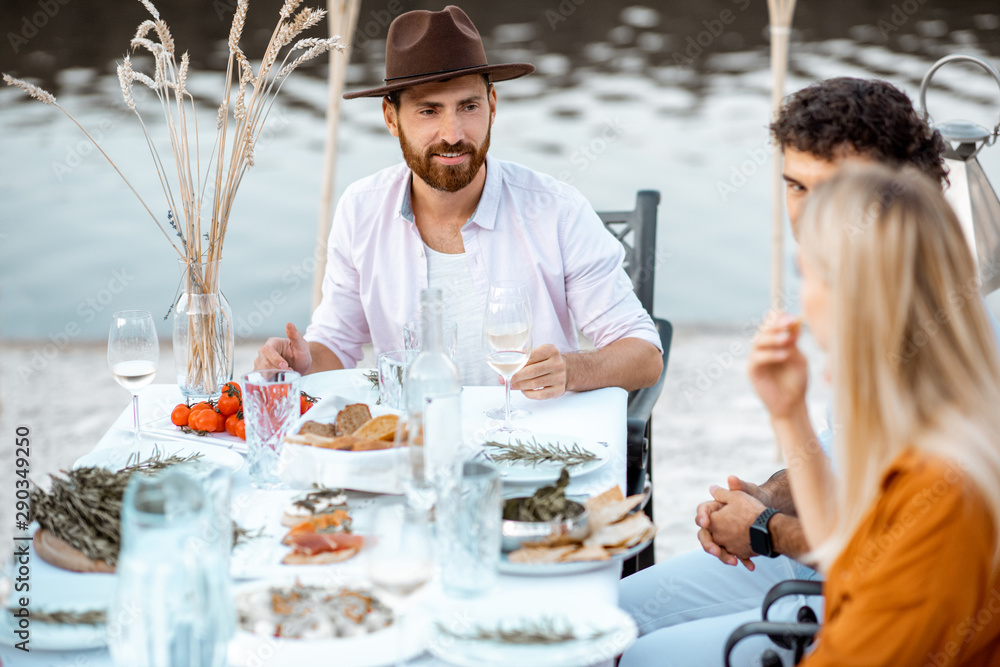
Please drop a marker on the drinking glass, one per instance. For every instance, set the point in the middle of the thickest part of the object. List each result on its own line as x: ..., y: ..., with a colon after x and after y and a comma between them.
x: 515, y: 289
x: 400, y: 561
x: 468, y: 514
x: 133, y: 353
x: 507, y: 341
x: 412, y: 340
x: 270, y: 406
x: 392, y: 368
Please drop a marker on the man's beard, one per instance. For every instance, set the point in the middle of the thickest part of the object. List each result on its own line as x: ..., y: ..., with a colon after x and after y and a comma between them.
x: 444, y: 177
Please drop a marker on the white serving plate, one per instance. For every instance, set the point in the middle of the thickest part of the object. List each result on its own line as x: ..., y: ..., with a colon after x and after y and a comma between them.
x: 558, y: 569
x: 617, y: 631
x: 350, y: 383
x: 383, y: 647
x: 164, y: 428
x: 55, y: 589
x: 513, y: 472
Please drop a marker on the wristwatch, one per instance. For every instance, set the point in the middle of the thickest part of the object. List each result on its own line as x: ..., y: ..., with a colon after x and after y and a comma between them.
x: 760, y: 538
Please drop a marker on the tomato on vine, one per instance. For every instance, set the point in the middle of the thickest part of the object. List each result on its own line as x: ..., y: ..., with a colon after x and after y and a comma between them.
x: 305, y: 402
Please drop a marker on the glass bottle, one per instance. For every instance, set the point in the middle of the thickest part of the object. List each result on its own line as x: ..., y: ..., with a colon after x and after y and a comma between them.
x: 434, y: 393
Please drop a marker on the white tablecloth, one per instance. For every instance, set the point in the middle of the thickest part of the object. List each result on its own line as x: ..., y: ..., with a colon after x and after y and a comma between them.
x: 597, y: 415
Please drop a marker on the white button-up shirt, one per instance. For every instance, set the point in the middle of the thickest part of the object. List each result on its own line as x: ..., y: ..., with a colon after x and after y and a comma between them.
x: 528, y: 227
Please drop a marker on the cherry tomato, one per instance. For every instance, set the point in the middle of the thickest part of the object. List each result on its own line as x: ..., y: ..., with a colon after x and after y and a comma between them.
x: 203, y: 420
x: 179, y: 416
x: 228, y: 404
x: 220, y: 422
x: 232, y: 389
x: 201, y: 406
x: 231, y: 423
x: 241, y: 430
x: 305, y: 402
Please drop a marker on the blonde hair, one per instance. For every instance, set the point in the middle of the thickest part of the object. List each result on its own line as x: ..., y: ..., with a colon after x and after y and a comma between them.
x: 913, y: 354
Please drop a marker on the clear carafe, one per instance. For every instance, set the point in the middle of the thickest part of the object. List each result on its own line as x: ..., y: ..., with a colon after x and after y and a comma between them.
x: 173, y: 605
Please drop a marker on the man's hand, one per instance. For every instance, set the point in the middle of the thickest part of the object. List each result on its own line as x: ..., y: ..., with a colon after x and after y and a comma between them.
x: 730, y: 524
x: 703, y: 520
x: 751, y: 489
x: 284, y: 353
x: 544, y: 376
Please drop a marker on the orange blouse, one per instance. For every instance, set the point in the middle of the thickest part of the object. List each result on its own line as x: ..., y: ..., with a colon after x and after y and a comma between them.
x: 915, y: 585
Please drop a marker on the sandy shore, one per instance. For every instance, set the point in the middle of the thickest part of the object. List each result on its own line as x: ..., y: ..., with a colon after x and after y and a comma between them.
x: 706, y: 425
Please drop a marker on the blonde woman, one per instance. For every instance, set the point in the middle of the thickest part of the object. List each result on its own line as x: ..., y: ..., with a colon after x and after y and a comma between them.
x: 907, y: 527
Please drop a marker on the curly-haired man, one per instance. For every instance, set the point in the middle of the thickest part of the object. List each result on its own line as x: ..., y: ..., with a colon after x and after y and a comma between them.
x: 688, y: 606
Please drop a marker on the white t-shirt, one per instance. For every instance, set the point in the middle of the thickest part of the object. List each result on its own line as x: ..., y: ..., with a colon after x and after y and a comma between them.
x: 451, y: 274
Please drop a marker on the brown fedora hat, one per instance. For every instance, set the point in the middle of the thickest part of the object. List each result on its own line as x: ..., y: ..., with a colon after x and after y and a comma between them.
x: 424, y: 46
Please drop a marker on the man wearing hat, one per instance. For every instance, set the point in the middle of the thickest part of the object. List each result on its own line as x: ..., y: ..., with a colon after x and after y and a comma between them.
x: 454, y: 218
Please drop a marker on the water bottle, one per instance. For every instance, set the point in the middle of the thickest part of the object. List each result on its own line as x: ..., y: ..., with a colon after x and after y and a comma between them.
x: 172, y: 606
x: 434, y: 393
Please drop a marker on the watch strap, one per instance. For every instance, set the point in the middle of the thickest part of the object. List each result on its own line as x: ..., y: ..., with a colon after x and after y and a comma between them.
x: 760, y: 536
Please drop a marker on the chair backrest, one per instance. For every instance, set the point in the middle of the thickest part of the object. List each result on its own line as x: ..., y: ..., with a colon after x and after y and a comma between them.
x: 636, y: 229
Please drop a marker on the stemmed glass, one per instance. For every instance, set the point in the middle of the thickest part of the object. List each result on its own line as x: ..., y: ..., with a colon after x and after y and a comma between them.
x: 516, y: 289
x: 400, y: 560
x: 507, y: 341
x: 133, y: 353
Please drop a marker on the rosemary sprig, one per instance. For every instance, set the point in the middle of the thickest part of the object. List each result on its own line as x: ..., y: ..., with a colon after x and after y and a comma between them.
x: 89, y: 617
x: 545, y: 630
x: 372, y: 376
x: 243, y: 535
x: 157, y: 461
x: 533, y: 452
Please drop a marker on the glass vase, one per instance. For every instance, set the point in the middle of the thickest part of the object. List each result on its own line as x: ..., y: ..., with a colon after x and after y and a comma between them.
x: 204, y: 336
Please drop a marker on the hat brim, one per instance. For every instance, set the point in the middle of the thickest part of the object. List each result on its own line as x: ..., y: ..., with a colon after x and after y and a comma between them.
x: 497, y: 73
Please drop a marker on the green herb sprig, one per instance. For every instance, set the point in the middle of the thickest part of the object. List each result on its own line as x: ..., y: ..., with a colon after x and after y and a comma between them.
x: 532, y: 452
x: 545, y: 630
x: 89, y: 617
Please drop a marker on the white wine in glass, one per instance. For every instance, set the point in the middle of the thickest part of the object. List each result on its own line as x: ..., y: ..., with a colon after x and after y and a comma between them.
x: 498, y: 290
x: 507, y: 342
x: 133, y: 354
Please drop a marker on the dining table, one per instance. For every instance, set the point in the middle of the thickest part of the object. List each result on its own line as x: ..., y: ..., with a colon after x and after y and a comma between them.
x: 597, y: 416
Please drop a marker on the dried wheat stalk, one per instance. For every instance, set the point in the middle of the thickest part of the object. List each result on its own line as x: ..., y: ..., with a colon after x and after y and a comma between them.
x: 183, y: 184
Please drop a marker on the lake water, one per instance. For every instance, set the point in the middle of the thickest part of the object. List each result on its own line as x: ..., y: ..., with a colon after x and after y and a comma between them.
x: 667, y: 95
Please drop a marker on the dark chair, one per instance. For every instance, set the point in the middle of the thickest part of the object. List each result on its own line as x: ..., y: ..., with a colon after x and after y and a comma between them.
x: 636, y: 229
x: 795, y: 636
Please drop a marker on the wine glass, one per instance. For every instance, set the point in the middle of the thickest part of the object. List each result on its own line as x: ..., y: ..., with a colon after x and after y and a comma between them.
x: 133, y: 353
x: 517, y: 289
x: 507, y: 340
x: 400, y: 560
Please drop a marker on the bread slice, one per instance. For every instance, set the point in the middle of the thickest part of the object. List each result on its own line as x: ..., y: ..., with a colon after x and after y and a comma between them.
x: 382, y: 427
x: 318, y: 428
x: 351, y: 418
x: 369, y: 445
x: 342, y: 442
